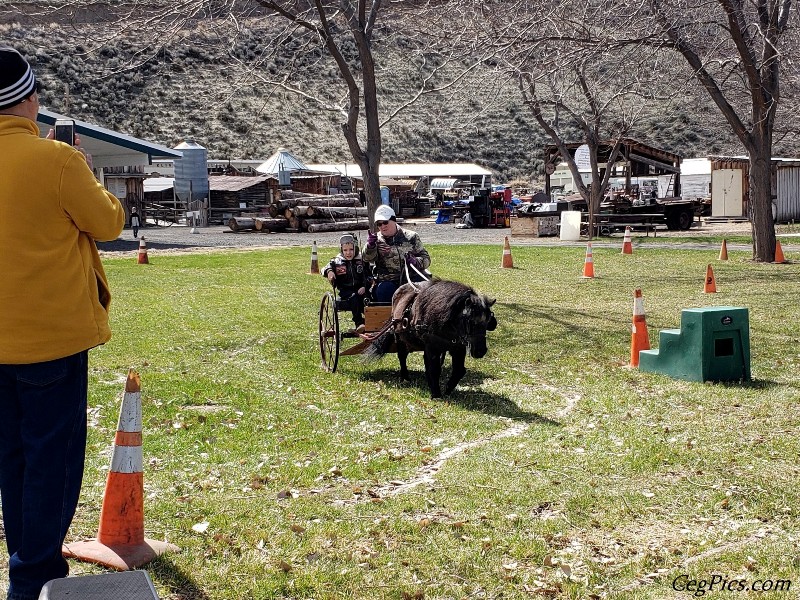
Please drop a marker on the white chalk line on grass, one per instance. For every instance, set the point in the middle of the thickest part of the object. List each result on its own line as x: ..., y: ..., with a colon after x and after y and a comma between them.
x: 572, y: 400
x: 710, y: 553
x: 426, y: 474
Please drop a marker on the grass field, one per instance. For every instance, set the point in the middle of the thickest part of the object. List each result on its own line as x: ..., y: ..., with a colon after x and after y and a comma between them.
x: 553, y: 471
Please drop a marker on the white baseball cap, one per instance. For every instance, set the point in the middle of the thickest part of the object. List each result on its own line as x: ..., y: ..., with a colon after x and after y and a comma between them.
x: 384, y: 213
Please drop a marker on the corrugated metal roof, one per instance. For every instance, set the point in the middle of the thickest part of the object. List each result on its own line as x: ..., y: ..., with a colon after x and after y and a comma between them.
x: 234, y: 183
x: 109, y: 148
x: 407, y: 171
x: 443, y: 184
x: 775, y: 159
x: 158, y: 184
x: 695, y: 166
x: 282, y: 160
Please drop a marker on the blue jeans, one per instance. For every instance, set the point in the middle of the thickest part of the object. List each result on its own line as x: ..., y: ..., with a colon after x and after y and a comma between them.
x: 352, y: 301
x: 384, y: 291
x: 42, y: 450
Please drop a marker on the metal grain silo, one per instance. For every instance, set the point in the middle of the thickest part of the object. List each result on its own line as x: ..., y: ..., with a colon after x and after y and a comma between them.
x: 191, y: 172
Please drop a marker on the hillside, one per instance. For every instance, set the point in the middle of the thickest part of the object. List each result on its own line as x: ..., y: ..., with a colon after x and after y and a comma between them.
x: 203, y: 90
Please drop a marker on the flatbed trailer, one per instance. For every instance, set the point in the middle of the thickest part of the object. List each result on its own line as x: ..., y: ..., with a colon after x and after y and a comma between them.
x: 675, y: 213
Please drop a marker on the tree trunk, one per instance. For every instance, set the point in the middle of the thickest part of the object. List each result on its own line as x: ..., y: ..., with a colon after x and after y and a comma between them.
x: 328, y: 211
x: 307, y: 222
x: 264, y: 224
x: 339, y: 226
x: 372, y: 190
x: 276, y: 209
x: 342, y: 212
x: 759, y: 207
x: 241, y: 223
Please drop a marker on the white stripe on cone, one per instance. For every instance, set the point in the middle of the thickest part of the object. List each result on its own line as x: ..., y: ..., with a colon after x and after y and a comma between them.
x: 127, y: 459
x: 130, y: 416
x: 638, y: 306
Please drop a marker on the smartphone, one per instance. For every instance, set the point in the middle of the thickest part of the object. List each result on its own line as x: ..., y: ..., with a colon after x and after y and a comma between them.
x: 65, y: 131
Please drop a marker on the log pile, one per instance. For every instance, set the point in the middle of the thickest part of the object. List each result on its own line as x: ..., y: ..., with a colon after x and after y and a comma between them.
x: 296, y: 212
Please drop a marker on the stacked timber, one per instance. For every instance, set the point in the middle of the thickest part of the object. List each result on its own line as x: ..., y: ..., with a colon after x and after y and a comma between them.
x: 296, y: 211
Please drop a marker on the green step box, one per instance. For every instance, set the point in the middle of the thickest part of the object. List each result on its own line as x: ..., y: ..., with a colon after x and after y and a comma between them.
x: 713, y: 344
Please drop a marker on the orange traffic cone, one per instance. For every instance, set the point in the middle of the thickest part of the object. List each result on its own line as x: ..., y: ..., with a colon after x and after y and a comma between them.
x: 508, y: 261
x: 627, y: 247
x: 120, y: 542
x: 142, y: 260
x: 314, y: 260
x: 640, y: 339
x: 588, y: 263
x: 711, y: 283
x: 779, y: 258
x: 723, y: 251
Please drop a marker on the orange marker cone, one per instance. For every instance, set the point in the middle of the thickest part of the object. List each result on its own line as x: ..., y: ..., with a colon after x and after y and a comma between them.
x: 508, y: 261
x: 640, y: 339
x: 588, y: 263
x: 723, y: 251
x: 120, y: 542
x: 142, y: 260
x: 711, y: 283
x: 627, y: 247
x: 314, y: 260
x: 779, y: 258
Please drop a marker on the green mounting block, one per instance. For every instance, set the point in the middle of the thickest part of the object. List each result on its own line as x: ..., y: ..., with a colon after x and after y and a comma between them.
x: 713, y: 344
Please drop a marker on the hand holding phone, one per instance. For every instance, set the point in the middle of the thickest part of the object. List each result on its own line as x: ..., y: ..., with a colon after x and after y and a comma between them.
x: 65, y: 131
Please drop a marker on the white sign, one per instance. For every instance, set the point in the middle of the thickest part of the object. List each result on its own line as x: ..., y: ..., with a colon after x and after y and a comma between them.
x: 582, y: 158
x: 117, y: 186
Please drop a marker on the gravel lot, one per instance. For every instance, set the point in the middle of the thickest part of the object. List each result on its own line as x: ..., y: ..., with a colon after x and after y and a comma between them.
x: 178, y: 238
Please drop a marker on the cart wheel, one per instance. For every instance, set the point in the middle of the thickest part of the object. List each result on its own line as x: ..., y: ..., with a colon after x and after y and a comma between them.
x: 329, y: 333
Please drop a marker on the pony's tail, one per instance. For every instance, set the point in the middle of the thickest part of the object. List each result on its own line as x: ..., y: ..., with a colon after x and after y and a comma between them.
x: 380, y: 344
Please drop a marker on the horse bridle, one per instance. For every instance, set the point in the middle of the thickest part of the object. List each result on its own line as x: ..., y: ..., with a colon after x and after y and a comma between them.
x: 421, y: 330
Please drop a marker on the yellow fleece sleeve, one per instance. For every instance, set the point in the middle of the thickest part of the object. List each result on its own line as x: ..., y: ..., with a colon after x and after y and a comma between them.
x: 93, y: 209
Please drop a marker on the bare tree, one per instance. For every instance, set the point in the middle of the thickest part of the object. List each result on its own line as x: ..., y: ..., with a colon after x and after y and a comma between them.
x: 304, y: 35
x: 566, y: 106
x: 576, y: 88
x: 334, y: 24
x: 737, y: 50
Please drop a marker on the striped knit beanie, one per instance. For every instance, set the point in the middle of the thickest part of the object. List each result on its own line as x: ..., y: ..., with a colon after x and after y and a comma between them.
x: 17, y: 81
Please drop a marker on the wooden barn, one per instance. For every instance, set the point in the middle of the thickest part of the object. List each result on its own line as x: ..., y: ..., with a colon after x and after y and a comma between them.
x: 317, y: 183
x: 238, y: 192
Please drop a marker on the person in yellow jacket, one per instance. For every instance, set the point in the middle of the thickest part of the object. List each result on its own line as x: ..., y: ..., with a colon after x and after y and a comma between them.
x: 54, y: 301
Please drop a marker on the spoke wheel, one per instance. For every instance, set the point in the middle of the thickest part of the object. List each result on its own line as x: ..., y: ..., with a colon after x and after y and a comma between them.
x: 329, y: 333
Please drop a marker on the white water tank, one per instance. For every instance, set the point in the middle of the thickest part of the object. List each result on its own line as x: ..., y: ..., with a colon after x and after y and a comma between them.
x: 191, y: 171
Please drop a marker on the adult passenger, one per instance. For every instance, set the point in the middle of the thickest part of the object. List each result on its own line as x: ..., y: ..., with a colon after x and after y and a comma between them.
x: 390, y: 250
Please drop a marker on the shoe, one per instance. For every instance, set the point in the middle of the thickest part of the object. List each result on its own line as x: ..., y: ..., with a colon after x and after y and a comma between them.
x: 361, y: 328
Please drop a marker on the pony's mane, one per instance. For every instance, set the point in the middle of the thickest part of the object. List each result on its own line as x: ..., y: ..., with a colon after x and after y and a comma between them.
x: 445, y: 298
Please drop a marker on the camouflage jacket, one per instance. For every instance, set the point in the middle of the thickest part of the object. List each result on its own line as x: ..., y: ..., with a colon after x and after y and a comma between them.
x: 389, y: 254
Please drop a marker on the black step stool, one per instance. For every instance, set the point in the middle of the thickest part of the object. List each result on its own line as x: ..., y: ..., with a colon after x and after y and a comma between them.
x: 125, y: 585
